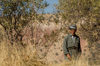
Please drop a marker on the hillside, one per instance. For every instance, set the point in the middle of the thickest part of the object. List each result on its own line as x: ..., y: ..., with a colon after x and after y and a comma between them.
x: 45, y: 41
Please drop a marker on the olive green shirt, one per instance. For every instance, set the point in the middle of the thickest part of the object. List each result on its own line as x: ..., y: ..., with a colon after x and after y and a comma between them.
x: 71, y: 45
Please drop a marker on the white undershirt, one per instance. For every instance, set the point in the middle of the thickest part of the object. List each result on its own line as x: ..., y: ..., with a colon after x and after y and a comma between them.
x: 73, y: 38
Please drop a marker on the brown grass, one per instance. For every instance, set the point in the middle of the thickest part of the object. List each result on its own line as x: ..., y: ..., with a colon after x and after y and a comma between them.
x: 19, y: 56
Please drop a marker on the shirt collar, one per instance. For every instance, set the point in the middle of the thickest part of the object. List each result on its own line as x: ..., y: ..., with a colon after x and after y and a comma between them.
x: 71, y: 34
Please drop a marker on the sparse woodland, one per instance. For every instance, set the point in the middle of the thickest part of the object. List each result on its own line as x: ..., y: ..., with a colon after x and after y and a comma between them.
x: 28, y: 38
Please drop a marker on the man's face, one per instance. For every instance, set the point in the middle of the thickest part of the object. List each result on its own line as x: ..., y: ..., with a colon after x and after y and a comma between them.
x: 72, y: 31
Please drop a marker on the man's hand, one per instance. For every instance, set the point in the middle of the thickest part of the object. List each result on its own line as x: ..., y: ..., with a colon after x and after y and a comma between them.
x: 69, y: 57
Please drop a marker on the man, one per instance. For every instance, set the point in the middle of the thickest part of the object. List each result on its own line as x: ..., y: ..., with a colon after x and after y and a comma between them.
x: 71, y: 44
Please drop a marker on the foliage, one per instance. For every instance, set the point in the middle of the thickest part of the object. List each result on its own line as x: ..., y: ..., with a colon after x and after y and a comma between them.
x: 84, y: 11
x: 16, y: 15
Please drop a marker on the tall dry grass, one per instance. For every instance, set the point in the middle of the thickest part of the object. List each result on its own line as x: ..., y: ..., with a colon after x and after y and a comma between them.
x: 18, y: 56
x: 79, y: 62
x: 27, y: 56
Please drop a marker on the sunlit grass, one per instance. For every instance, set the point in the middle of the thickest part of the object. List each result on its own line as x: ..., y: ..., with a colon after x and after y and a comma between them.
x: 19, y: 56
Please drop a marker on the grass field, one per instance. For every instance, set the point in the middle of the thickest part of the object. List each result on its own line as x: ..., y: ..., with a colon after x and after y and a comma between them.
x: 18, y: 56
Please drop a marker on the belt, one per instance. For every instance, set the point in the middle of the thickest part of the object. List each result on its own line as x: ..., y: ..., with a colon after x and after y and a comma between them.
x: 73, y: 48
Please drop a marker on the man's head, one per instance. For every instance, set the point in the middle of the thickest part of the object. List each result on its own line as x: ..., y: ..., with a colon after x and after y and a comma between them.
x: 73, y: 29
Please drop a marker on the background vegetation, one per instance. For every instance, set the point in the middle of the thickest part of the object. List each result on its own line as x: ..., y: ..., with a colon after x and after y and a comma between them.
x: 86, y: 12
x: 21, y: 33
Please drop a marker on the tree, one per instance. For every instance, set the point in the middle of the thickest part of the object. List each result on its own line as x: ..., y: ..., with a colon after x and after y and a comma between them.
x: 84, y: 11
x: 16, y: 15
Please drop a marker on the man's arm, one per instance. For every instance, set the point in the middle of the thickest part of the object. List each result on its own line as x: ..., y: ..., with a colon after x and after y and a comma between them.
x: 65, y: 48
x: 79, y: 46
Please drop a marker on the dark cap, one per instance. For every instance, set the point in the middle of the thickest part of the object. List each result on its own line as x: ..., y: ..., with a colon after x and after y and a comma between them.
x: 73, y: 27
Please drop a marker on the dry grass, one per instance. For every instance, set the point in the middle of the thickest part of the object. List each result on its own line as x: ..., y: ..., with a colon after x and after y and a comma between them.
x: 80, y: 62
x: 18, y: 56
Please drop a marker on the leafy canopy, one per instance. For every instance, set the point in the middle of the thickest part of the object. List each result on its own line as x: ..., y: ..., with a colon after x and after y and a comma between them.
x: 17, y: 14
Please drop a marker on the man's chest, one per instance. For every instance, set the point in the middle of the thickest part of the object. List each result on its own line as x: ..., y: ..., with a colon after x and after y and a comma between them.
x: 73, y: 41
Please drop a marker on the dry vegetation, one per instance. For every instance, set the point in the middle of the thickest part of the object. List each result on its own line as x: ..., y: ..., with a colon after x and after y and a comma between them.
x: 28, y: 38
x: 17, y: 55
